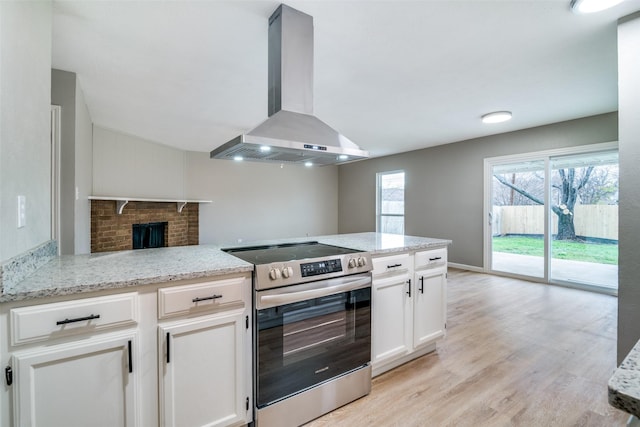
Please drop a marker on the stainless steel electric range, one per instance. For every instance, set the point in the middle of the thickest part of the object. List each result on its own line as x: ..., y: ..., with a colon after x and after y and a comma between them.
x: 312, y: 329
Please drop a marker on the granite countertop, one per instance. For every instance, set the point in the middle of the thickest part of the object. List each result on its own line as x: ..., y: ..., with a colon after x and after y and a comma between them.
x: 72, y: 274
x: 624, y: 385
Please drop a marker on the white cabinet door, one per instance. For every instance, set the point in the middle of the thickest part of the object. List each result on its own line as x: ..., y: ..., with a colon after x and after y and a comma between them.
x: 85, y: 383
x: 429, y: 306
x: 390, y: 318
x: 202, y: 378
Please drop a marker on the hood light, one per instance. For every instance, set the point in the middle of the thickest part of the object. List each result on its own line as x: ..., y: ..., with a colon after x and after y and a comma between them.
x: 308, y: 164
x: 496, y: 117
x: 343, y: 157
x: 238, y: 158
x: 265, y: 148
x: 591, y: 6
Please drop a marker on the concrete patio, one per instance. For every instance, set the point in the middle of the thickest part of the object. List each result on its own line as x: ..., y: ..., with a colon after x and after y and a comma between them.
x: 589, y: 273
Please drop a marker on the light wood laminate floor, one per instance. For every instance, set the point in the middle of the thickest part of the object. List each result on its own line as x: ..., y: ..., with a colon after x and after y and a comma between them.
x: 516, y: 354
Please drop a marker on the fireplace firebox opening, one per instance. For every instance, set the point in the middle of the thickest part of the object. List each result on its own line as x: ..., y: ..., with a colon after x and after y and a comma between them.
x: 149, y: 235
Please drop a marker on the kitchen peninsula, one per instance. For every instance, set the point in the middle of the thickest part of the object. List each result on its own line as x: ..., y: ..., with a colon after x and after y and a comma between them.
x: 144, y: 318
x: 75, y: 274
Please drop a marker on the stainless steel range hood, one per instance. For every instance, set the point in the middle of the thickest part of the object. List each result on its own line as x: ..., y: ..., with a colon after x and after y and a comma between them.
x: 291, y: 134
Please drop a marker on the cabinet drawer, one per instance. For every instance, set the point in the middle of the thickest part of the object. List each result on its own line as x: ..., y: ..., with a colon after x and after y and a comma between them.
x: 394, y: 264
x: 205, y: 296
x: 431, y: 259
x: 46, y: 321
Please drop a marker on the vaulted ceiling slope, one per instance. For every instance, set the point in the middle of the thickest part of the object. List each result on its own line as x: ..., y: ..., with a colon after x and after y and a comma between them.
x: 392, y: 76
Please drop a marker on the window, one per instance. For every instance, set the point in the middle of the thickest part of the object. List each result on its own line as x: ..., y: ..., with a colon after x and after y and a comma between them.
x: 390, y: 202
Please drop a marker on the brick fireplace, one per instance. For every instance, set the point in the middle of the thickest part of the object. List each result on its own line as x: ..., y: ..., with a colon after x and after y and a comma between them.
x: 111, y: 231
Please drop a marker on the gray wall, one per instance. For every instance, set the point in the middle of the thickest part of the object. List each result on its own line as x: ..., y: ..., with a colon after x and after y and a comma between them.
x: 128, y: 166
x: 629, y: 215
x: 84, y: 174
x: 76, y: 143
x: 63, y: 93
x: 251, y: 201
x: 25, y: 93
x: 444, y: 184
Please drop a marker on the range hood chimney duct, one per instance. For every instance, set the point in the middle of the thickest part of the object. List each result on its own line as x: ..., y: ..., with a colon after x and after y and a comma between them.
x: 291, y: 134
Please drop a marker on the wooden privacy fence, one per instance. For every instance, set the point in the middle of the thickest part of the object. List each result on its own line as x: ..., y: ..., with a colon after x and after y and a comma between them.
x: 597, y: 221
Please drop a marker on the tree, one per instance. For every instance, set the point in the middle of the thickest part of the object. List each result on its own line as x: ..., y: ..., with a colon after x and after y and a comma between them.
x: 569, y: 186
x: 602, y: 187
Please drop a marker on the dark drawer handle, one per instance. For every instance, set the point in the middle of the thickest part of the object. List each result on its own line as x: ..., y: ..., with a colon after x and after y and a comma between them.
x: 394, y: 265
x: 435, y: 259
x: 206, y: 298
x: 78, y: 319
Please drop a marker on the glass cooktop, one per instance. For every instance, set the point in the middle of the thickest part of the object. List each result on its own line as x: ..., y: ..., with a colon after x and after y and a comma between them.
x: 287, y: 252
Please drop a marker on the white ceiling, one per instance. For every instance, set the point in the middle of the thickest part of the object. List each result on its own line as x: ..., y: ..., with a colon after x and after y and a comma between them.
x: 392, y: 76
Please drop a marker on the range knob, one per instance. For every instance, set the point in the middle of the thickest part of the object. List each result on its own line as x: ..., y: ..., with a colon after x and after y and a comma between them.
x: 353, y: 263
x: 362, y: 261
x: 274, y: 274
x: 287, y: 272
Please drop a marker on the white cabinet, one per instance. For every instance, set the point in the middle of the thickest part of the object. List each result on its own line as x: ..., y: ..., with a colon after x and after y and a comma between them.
x: 429, y: 306
x: 69, y: 369
x: 169, y: 354
x: 204, y: 368
x: 391, y: 309
x: 84, y: 383
x: 86, y: 315
x: 408, y: 306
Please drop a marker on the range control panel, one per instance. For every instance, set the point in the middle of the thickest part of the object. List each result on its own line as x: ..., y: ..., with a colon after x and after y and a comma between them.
x: 320, y: 267
x: 277, y: 274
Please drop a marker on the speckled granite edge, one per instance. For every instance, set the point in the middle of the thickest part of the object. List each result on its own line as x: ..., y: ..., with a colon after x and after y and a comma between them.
x: 79, y: 289
x: 75, y: 274
x: 20, y: 266
x: 624, y: 385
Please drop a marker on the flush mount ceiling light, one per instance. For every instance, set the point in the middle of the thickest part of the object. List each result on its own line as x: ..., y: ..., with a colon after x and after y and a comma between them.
x: 496, y: 117
x: 590, y: 6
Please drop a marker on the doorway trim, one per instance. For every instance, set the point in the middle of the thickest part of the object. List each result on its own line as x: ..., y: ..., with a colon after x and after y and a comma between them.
x: 56, y: 112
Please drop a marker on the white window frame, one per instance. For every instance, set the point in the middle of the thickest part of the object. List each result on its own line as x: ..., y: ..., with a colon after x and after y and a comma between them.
x: 379, y: 213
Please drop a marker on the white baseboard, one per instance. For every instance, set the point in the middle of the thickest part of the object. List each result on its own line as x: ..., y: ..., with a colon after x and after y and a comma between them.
x: 466, y: 267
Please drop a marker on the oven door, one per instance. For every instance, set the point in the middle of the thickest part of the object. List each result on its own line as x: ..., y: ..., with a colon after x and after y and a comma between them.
x: 310, y: 333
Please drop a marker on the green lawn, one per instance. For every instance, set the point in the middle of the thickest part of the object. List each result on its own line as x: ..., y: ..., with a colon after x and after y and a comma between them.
x: 589, y: 252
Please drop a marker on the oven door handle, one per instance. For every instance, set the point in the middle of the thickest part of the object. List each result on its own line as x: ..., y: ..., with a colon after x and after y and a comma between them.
x: 282, y: 298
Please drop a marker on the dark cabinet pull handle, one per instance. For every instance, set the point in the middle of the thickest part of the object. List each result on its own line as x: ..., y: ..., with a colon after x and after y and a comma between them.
x: 394, y: 265
x: 8, y: 375
x: 435, y: 259
x: 206, y: 298
x: 422, y: 284
x: 409, y: 291
x: 168, y: 348
x: 130, y: 357
x: 79, y: 319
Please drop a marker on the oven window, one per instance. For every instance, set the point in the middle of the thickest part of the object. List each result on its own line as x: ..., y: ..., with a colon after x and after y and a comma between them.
x: 308, y: 342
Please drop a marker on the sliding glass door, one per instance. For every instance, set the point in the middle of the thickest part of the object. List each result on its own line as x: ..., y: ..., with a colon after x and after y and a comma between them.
x: 553, y: 217
x: 584, y: 214
x: 517, y: 218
